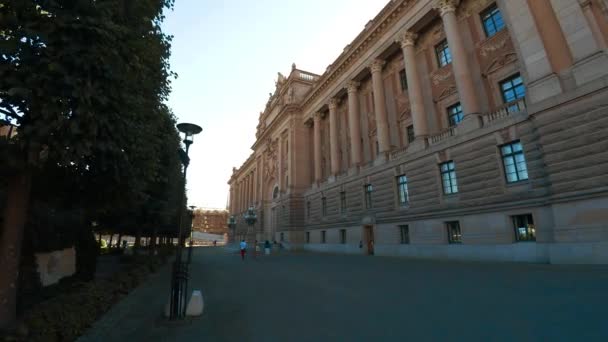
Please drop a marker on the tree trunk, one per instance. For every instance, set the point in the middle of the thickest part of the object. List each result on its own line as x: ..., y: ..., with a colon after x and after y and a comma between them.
x: 137, y: 244
x: 152, y: 244
x: 119, y: 244
x: 15, y: 216
x: 110, y: 243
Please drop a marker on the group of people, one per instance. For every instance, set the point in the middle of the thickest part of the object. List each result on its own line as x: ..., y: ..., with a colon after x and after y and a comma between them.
x: 256, y: 249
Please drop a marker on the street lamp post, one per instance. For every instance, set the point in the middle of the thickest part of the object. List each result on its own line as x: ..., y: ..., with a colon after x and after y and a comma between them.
x: 250, y: 218
x: 179, y: 276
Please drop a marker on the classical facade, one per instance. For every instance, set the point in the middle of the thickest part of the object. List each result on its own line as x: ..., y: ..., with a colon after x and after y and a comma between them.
x: 473, y: 129
x: 212, y: 221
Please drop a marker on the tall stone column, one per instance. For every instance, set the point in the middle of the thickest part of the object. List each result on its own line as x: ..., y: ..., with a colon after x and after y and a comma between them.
x: 317, y: 146
x: 407, y: 40
x: 593, y: 25
x: 333, y: 136
x: 460, y: 65
x: 384, y: 140
x: 354, y: 124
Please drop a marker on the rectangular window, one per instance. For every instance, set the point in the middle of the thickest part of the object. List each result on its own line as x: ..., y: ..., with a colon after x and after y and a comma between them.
x: 282, y: 236
x: 448, y: 178
x: 368, y: 195
x: 514, y: 162
x: 404, y: 232
x: 307, y: 237
x: 402, y: 190
x: 403, y: 79
x: 444, y: 57
x: 343, y: 202
x: 322, y: 236
x: 324, y: 205
x: 513, y: 89
x: 342, y: 236
x: 524, y: 228
x: 410, y: 133
x: 492, y: 20
x: 455, y: 114
x: 308, y: 209
x: 454, y: 234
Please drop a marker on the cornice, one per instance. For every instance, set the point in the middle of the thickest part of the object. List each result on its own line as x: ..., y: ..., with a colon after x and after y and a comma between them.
x: 371, y: 34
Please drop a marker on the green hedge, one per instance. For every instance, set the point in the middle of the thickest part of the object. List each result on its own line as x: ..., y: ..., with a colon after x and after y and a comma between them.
x: 68, y: 315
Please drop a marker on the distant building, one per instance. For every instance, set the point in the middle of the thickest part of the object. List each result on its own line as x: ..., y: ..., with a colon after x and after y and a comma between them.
x: 211, y: 221
x: 473, y: 129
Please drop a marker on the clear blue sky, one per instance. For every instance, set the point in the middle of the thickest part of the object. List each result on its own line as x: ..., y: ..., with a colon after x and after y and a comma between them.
x: 227, y: 54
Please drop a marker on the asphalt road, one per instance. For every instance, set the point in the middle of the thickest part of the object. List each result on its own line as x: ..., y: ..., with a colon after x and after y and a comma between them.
x: 316, y: 297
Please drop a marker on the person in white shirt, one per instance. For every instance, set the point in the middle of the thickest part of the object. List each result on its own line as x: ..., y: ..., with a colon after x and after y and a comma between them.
x: 243, y: 249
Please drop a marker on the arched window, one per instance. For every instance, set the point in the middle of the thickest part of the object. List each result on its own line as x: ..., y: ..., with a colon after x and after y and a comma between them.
x: 275, y: 192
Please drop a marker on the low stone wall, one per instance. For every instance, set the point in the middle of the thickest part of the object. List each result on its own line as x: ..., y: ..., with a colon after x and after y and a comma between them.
x: 56, y: 265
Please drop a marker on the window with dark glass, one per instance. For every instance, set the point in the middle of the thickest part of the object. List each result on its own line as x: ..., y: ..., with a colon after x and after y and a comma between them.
x: 403, y: 80
x: 322, y: 236
x: 324, y: 205
x: 402, y: 190
x: 404, y: 232
x: 514, y: 162
x: 282, y: 236
x: 342, y: 202
x: 455, y: 114
x: 513, y: 89
x: 524, y: 228
x: 410, y: 133
x: 342, y: 236
x: 307, y: 237
x: 444, y: 57
x: 454, y: 234
x: 448, y: 178
x: 492, y: 20
x: 368, y: 195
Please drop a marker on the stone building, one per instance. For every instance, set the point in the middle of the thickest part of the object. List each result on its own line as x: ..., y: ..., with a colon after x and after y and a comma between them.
x: 212, y: 221
x: 473, y: 129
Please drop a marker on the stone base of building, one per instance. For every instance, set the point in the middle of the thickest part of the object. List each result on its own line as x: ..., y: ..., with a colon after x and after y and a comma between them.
x: 530, y: 252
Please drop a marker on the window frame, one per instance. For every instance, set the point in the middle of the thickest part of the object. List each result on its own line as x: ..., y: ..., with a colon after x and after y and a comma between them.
x: 410, y: 137
x: 443, y: 53
x: 403, y: 80
x: 451, y: 174
x: 404, y: 237
x: 367, y: 192
x: 323, y: 236
x: 324, y: 206
x: 512, y: 156
x: 529, y: 218
x: 343, y: 236
x: 514, y: 88
x: 490, y: 14
x: 454, y: 239
x: 342, y: 202
x: 455, y: 112
x: 402, y: 183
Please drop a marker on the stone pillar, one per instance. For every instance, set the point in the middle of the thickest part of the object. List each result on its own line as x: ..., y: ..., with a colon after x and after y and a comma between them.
x: 407, y: 40
x: 317, y: 146
x: 255, y: 183
x: 384, y: 140
x: 460, y: 65
x: 593, y: 24
x: 333, y: 136
x: 280, y: 175
x: 552, y: 36
x: 354, y: 123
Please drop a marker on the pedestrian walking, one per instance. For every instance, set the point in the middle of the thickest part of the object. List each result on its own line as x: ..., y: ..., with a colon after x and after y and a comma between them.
x: 267, y: 247
x: 243, y: 246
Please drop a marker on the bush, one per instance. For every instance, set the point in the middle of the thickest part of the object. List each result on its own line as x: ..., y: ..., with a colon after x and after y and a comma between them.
x: 68, y: 315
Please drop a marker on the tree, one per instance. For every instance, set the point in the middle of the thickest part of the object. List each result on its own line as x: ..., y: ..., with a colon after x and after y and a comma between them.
x: 85, y: 81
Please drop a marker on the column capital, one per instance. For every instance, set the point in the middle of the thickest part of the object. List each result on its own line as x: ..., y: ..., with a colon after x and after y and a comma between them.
x: 377, y: 65
x: 352, y: 86
x: 446, y: 6
x: 333, y: 104
x: 317, y: 116
x: 406, y: 38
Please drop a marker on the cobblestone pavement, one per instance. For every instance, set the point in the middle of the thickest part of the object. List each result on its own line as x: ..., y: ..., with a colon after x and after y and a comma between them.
x: 314, y: 297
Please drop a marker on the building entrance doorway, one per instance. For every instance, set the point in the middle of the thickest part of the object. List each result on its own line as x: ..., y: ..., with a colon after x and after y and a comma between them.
x: 368, y: 232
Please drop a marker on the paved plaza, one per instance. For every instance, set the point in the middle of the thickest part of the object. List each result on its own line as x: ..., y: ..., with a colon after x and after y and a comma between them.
x: 315, y: 297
